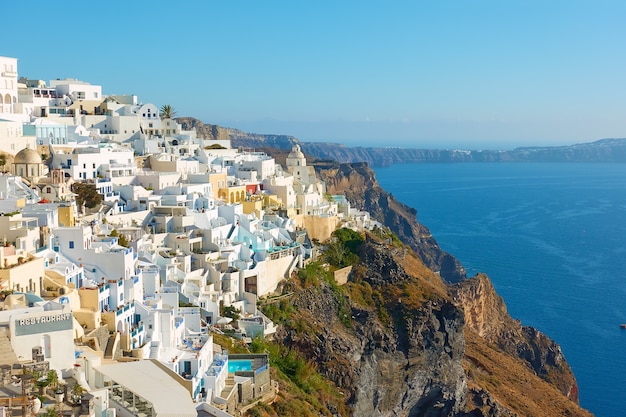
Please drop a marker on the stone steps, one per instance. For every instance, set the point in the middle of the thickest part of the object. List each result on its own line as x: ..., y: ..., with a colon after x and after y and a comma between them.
x: 7, y: 355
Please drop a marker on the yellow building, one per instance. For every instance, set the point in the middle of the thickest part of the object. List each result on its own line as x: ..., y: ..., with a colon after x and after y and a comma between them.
x: 67, y: 217
x: 254, y: 206
x: 217, y: 181
x: 231, y: 195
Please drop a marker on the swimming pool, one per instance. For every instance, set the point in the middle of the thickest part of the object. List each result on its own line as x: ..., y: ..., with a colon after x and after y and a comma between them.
x: 235, y: 365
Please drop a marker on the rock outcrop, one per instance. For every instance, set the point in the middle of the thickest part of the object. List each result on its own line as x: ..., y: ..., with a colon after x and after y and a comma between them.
x: 400, y: 358
x: 237, y: 137
x: 415, y: 346
x: 358, y: 183
x: 410, y: 334
x: 485, y: 314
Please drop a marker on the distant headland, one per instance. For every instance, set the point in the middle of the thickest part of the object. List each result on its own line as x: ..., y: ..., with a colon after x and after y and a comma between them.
x: 603, y: 150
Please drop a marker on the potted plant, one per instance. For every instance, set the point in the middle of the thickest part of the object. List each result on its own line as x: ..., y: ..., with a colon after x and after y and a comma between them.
x: 77, y: 394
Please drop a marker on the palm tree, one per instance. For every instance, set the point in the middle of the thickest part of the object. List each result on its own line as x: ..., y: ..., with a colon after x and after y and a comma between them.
x: 167, y: 112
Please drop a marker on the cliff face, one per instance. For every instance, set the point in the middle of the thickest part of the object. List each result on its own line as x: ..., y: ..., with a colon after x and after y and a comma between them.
x: 485, y: 314
x: 237, y: 137
x: 358, y: 183
x: 397, y: 340
x: 414, y: 346
x: 427, y: 348
x: 205, y: 131
x: 397, y: 357
x: 605, y: 150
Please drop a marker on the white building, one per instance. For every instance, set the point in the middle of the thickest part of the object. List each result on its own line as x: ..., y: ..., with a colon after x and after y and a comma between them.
x: 102, y: 258
x: 38, y: 100
x: 91, y: 162
x: 15, y: 136
x: 48, y: 330
x: 8, y: 86
x: 144, y: 388
x: 76, y: 89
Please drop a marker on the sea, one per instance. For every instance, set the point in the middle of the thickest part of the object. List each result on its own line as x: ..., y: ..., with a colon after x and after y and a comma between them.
x: 552, y: 238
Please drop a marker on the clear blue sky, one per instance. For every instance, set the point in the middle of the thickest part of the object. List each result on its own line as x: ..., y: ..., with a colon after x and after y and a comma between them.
x: 491, y: 74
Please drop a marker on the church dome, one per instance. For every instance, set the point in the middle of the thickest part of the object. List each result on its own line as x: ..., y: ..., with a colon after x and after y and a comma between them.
x: 296, y: 152
x: 27, y: 156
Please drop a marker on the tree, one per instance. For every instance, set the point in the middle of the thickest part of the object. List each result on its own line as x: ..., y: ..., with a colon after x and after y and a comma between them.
x: 121, y: 239
x: 86, y: 194
x: 3, y: 161
x: 341, y: 248
x: 167, y: 112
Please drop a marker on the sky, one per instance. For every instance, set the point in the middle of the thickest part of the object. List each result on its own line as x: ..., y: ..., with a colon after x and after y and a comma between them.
x: 426, y: 74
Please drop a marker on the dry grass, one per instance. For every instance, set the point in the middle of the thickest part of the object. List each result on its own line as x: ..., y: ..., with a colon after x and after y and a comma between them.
x: 513, y: 384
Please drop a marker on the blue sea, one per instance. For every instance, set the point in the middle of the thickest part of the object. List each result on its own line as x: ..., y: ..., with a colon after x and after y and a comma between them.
x: 552, y: 238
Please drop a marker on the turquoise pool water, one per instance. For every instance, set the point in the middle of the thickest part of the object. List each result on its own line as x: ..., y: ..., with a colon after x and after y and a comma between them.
x: 239, y: 365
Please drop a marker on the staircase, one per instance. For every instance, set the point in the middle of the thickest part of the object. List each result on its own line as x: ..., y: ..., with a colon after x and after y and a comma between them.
x: 154, y: 350
x: 228, y: 388
x: 111, y: 345
x: 7, y: 355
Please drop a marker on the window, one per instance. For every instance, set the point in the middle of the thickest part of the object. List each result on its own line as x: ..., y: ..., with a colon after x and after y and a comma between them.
x: 94, y: 165
x: 71, y: 244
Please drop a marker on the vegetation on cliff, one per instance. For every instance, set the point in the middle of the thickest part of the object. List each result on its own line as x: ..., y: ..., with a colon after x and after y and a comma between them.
x: 397, y: 340
x: 408, y: 334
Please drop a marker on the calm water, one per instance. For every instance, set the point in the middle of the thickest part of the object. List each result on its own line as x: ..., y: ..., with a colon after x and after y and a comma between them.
x: 552, y: 237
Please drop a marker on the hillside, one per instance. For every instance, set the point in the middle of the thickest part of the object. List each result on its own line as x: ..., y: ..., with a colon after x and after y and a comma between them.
x: 396, y: 340
x: 409, y: 334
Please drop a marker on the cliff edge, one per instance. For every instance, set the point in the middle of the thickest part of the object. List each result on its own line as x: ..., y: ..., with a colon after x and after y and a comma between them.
x: 409, y: 334
x: 357, y: 181
x: 398, y: 341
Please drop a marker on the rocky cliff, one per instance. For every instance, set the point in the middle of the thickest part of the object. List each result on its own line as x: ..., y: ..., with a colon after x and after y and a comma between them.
x: 237, y: 137
x: 358, y: 183
x: 409, y: 334
x: 604, y: 150
x: 397, y: 341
